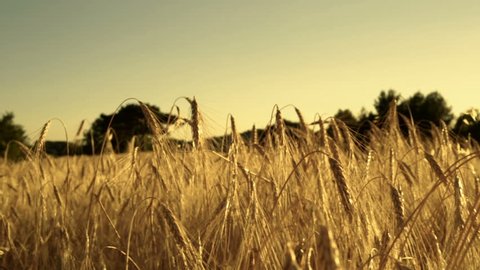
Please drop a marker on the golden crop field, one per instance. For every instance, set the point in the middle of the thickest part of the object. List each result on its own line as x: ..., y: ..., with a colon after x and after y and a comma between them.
x: 309, y: 201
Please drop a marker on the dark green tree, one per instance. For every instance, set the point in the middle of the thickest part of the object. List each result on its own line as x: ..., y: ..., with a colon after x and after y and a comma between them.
x: 9, y: 131
x: 128, y: 122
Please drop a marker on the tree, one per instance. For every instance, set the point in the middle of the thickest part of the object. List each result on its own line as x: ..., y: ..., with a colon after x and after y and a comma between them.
x: 365, y: 121
x: 426, y: 110
x: 9, y: 131
x: 347, y: 117
x: 128, y: 122
x: 382, y: 103
x: 468, y: 125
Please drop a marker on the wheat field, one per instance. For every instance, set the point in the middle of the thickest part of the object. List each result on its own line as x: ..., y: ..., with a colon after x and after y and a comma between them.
x: 309, y: 201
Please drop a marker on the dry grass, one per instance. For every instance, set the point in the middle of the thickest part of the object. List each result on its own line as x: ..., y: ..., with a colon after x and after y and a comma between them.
x: 403, y: 203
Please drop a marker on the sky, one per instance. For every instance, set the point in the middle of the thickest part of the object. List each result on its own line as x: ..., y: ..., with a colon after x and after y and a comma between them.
x: 72, y: 60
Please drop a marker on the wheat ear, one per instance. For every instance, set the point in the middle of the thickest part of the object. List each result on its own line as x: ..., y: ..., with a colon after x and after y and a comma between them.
x: 303, y: 124
x: 340, y: 180
x: 348, y: 138
x: 190, y: 255
x: 460, y: 202
x: 436, y: 168
x: 42, y: 138
x: 398, y: 205
x: 280, y: 128
x: 195, y: 123
x: 254, y: 136
x: 152, y: 120
x: 323, y: 136
x: 235, y: 136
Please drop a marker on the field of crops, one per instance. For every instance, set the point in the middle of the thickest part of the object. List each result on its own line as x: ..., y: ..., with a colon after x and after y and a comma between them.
x: 309, y: 201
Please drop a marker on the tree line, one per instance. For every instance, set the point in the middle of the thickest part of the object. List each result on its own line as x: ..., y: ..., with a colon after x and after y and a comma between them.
x: 130, y: 125
x: 424, y: 111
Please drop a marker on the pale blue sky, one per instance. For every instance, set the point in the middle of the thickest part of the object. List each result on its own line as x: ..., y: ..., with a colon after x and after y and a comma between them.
x: 76, y: 59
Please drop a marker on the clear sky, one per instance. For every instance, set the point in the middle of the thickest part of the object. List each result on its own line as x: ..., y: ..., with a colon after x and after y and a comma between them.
x: 76, y: 59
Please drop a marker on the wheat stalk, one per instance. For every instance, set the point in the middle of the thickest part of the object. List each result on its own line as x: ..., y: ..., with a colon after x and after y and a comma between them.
x: 445, y: 136
x: 254, y: 136
x: 303, y: 124
x: 337, y: 134
x: 460, y: 202
x: 436, y: 168
x: 348, y: 138
x: 368, y: 164
x: 393, y: 126
x: 383, y: 249
x: 290, y: 259
x: 398, y: 205
x: 327, y: 251
x: 190, y: 255
x: 57, y: 195
x: 392, y: 165
x: 195, y: 123
x: 476, y: 179
x: 340, y: 180
x: 80, y: 128
x: 153, y: 122
x: 235, y: 136
x: 42, y: 138
x: 438, y: 252
x: 323, y: 136
x: 280, y: 128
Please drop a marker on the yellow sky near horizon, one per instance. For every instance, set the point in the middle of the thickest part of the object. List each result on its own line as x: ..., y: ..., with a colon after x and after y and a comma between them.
x: 75, y: 60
